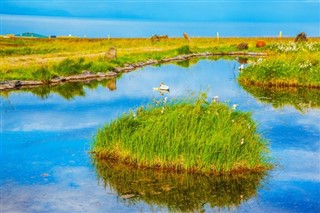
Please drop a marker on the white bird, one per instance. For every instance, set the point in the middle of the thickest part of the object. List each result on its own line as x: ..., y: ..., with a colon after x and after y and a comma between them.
x: 162, y: 87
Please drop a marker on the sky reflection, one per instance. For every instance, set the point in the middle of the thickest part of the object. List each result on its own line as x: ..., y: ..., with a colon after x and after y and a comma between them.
x: 47, y: 166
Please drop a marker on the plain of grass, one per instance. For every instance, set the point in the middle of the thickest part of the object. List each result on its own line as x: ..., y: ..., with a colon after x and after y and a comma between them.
x: 288, y: 63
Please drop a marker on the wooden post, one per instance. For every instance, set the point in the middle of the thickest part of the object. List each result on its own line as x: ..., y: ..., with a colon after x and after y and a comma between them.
x: 280, y: 34
x: 218, y: 36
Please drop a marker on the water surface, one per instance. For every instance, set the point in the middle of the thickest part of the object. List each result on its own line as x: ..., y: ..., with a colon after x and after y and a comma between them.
x: 45, y: 165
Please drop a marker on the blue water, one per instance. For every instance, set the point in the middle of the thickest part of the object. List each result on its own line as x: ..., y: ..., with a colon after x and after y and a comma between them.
x: 127, y: 28
x: 45, y: 165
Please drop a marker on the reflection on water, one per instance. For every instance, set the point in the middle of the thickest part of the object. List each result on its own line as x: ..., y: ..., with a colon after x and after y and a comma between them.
x: 47, y: 168
x: 111, y: 84
x: 187, y: 63
x: 67, y: 90
x: 299, y: 98
x: 177, y: 191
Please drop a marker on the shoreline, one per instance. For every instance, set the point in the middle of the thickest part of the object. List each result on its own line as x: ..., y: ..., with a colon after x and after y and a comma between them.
x: 173, y: 169
x: 87, y: 75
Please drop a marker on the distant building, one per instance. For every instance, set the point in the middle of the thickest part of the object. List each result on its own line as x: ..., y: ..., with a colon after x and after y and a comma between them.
x: 30, y: 35
x: 7, y: 36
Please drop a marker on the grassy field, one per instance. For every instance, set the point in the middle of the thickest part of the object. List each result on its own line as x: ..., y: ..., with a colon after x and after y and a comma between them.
x: 43, y: 59
x: 193, y: 136
x: 290, y: 64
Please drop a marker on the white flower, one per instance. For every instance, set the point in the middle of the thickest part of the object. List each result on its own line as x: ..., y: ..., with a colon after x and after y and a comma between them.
x: 165, y: 100
x: 215, y: 98
x: 162, y: 110
x: 242, y: 141
x: 234, y: 106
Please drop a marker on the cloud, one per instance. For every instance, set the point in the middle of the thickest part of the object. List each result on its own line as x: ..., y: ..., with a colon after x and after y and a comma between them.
x: 297, y: 165
x: 243, y: 11
x: 75, y: 190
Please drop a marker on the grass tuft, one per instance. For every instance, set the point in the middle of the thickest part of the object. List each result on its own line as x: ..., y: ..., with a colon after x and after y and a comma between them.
x: 71, y: 67
x: 42, y: 74
x: 192, y: 136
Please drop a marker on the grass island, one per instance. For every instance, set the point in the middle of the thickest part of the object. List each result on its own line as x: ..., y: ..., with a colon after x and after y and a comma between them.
x: 191, y: 135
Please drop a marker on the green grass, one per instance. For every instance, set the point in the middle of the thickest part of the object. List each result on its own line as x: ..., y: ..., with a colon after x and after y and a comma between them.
x: 178, y: 192
x: 72, y: 66
x: 193, y: 136
x: 292, y: 65
x: 288, y: 63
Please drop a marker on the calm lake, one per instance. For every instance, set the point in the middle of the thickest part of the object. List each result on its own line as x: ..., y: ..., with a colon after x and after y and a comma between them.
x: 46, y: 135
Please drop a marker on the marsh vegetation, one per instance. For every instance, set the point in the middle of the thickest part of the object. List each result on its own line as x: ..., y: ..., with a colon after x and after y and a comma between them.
x: 290, y: 65
x: 185, y: 135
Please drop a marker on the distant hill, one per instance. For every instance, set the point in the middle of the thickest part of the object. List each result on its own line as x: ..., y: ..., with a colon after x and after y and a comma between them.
x: 30, y: 35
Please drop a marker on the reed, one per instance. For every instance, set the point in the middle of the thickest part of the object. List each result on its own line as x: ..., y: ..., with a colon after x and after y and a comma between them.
x: 185, y: 135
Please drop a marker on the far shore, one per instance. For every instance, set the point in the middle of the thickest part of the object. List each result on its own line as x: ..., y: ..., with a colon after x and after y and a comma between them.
x: 30, y: 62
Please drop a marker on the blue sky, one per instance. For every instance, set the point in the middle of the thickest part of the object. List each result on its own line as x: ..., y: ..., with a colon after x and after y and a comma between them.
x: 141, y: 18
x: 177, y: 11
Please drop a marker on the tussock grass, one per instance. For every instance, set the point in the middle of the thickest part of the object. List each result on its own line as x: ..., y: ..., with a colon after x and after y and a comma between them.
x: 193, y: 136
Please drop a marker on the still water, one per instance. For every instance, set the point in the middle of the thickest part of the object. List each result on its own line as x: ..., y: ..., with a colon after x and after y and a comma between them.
x: 46, y: 135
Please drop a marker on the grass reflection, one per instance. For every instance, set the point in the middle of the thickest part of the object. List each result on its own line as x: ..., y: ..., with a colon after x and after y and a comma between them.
x: 177, y: 191
x: 67, y: 90
x: 298, y: 97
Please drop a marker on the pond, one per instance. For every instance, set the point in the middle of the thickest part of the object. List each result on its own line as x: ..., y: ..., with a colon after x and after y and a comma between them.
x: 47, y: 132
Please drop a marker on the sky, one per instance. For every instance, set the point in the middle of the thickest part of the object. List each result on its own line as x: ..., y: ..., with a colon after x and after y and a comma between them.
x: 164, y: 10
x: 212, y: 11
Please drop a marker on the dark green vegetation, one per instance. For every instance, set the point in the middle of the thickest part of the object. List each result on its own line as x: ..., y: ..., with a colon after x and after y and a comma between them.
x: 178, y: 191
x: 192, y: 136
x: 299, y: 97
x: 292, y: 65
